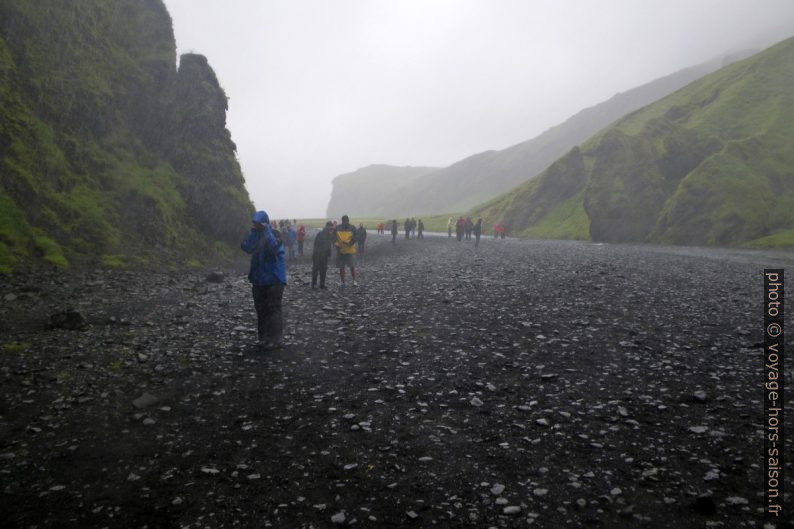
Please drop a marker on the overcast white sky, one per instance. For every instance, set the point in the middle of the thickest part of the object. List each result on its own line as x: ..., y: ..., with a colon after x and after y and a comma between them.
x: 318, y: 88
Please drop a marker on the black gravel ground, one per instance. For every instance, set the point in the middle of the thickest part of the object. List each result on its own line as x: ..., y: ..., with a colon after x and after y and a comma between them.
x: 522, y: 383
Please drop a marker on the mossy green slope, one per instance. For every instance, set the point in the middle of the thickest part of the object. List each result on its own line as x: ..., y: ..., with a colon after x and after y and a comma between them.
x: 376, y: 190
x: 711, y: 164
x: 108, y: 153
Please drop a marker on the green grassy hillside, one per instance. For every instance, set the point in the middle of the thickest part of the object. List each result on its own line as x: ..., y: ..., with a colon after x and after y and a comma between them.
x: 109, y: 155
x: 711, y: 164
x: 485, y: 175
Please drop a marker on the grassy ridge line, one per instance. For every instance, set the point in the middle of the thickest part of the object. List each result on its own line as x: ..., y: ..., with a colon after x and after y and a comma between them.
x: 381, y: 190
x: 710, y: 164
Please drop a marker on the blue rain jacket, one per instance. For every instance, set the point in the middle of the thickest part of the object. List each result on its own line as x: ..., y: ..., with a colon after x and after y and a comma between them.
x: 268, y: 266
x: 292, y: 236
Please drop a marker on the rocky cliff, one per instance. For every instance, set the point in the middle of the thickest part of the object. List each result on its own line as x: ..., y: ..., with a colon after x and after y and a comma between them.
x: 110, y: 154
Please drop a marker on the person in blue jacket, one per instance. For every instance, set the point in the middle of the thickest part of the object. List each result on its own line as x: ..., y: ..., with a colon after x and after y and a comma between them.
x: 292, y: 241
x: 268, y: 277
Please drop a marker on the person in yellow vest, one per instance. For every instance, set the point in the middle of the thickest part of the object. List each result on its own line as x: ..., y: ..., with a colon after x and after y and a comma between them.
x: 346, y: 249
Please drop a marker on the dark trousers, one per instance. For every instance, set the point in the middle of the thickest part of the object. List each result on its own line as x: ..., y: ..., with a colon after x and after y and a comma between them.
x: 319, y: 266
x: 267, y: 301
x: 300, y: 247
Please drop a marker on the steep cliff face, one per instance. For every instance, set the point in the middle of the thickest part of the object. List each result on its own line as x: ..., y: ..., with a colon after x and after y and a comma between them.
x: 375, y: 191
x: 202, y: 147
x: 108, y: 153
x: 711, y: 164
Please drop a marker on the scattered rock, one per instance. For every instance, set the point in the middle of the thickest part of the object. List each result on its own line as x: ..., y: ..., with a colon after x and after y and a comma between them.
x: 216, y: 277
x: 145, y: 400
x: 69, y: 319
x: 389, y: 384
x: 705, y: 505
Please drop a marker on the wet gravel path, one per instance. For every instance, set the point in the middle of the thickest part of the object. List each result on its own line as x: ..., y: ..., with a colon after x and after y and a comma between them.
x: 523, y: 383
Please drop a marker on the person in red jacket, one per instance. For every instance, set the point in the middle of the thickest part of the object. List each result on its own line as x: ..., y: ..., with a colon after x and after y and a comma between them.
x: 301, y: 238
x: 459, y: 227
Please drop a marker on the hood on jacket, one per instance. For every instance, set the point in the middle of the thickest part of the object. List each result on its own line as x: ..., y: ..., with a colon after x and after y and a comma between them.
x: 260, y: 217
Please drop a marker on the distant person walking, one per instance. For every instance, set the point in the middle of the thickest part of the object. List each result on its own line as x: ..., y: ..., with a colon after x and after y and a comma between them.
x: 450, y: 222
x: 268, y: 277
x: 459, y: 227
x: 420, y: 229
x: 407, y: 228
x: 477, y: 230
x: 301, y: 238
x: 321, y: 252
x: 346, y: 249
x: 292, y: 241
x: 394, y: 231
x: 361, y: 238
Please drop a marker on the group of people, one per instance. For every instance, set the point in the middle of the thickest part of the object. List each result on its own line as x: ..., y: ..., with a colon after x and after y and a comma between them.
x: 413, y: 228
x: 292, y: 237
x: 347, y: 239
x: 270, y: 243
x: 465, y: 228
x: 265, y: 243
